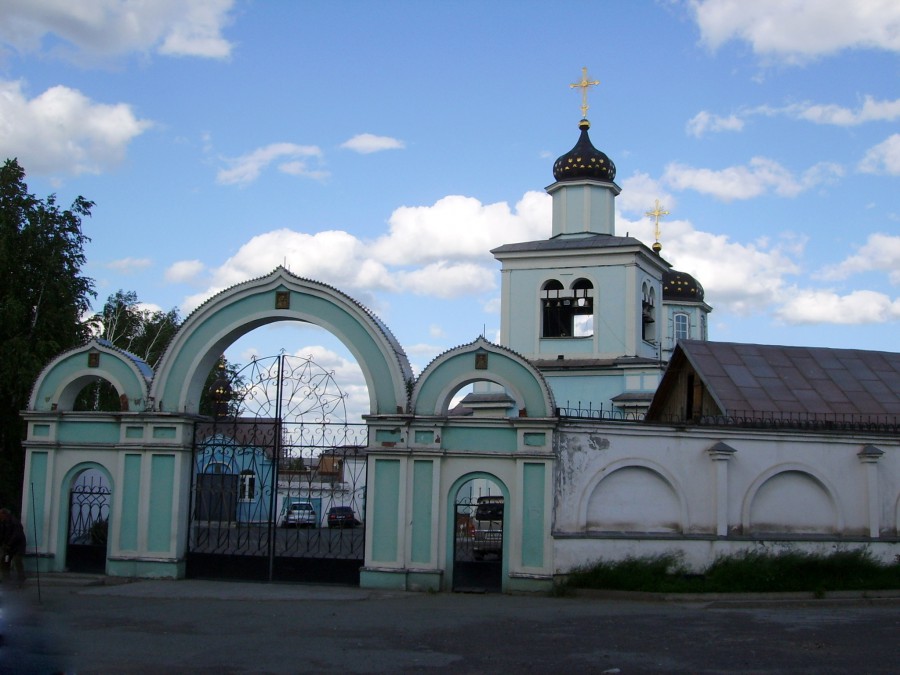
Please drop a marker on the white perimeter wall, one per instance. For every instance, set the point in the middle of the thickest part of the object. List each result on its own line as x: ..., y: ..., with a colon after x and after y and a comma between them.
x: 632, y: 490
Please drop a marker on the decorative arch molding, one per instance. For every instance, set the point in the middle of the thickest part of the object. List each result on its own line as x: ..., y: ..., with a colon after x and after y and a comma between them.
x: 280, y: 296
x: 482, y: 360
x: 64, y: 377
x: 788, y: 467
x: 631, y: 463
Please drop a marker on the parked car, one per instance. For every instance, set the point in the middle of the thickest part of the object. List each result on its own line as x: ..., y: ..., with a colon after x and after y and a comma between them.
x: 488, y: 527
x: 301, y: 514
x: 342, y: 516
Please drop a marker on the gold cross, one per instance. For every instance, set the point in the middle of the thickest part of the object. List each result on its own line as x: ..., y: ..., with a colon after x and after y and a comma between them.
x: 583, y: 85
x: 656, y: 213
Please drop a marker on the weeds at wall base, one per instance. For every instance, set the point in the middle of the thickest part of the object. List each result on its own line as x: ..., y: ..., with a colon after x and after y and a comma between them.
x: 748, y: 572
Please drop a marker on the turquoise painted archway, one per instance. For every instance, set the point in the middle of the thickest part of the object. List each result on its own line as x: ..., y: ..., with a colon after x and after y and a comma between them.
x: 482, y: 360
x: 279, y: 296
x: 61, y: 380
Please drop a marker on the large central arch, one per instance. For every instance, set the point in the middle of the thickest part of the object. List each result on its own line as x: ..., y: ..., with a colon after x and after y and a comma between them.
x: 279, y: 296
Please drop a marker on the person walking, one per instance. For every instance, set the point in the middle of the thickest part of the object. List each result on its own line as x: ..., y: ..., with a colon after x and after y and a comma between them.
x: 12, y: 546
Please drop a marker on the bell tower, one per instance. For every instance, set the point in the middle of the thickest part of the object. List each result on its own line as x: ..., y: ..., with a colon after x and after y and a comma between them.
x: 585, y: 305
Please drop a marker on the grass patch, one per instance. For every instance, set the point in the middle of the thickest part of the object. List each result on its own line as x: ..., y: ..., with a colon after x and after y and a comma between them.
x: 751, y: 571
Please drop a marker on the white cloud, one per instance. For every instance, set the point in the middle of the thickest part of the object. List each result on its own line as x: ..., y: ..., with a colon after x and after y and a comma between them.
x: 459, y: 231
x: 740, y: 278
x: 457, y: 227
x: 799, y: 30
x: 704, y: 122
x: 245, y: 169
x: 184, y: 271
x: 881, y: 252
x: 871, y: 110
x: 883, y: 158
x: 639, y: 193
x: 114, y: 27
x: 368, y: 143
x: 448, y: 280
x: 745, y: 182
x: 332, y: 257
x: 823, y: 306
x: 129, y: 265
x: 63, y: 131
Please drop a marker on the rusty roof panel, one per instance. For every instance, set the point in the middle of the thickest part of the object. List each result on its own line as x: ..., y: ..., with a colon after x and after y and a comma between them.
x: 748, y: 378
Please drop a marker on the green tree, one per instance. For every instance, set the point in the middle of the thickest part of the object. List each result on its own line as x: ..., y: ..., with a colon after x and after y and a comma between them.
x: 135, y: 328
x: 128, y: 325
x: 43, y: 297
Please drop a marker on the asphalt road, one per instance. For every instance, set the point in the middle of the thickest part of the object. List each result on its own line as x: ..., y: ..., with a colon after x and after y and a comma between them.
x: 218, y: 627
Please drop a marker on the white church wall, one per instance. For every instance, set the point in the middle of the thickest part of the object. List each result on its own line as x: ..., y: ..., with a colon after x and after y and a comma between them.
x: 627, y: 489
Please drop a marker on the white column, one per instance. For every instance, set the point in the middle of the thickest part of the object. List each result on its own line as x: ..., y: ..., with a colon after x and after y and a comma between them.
x: 720, y: 453
x: 869, y: 456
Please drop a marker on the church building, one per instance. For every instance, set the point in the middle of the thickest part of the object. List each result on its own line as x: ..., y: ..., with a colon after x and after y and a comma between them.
x: 604, y: 425
x: 598, y: 314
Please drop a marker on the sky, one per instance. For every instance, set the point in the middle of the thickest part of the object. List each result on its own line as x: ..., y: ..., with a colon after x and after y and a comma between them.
x: 385, y: 147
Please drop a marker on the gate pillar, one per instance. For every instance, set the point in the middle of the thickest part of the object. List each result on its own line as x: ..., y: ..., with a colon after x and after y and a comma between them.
x: 417, y: 463
x: 146, y: 459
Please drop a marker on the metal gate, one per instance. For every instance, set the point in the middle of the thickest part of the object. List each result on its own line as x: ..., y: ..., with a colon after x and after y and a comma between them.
x: 88, y: 524
x: 478, y: 541
x: 279, y: 478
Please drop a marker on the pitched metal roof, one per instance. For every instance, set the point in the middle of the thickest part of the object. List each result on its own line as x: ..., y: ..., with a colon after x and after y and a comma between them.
x: 749, y: 378
x: 560, y: 243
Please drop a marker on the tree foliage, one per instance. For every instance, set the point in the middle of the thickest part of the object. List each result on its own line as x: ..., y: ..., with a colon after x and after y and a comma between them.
x: 43, y: 297
x: 129, y: 325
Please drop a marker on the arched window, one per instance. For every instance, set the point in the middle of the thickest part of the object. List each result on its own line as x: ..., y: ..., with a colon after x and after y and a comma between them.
x: 648, y: 312
x: 583, y: 308
x: 567, y: 312
x: 682, y: 327
x: 554, y: 317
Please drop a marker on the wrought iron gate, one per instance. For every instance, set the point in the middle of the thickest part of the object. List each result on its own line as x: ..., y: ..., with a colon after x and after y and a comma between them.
x: 88, y: 524
x: 478, y: 542
x: 279, y: 478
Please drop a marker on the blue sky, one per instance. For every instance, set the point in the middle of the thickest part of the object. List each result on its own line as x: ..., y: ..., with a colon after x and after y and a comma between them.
x: 386, y: 147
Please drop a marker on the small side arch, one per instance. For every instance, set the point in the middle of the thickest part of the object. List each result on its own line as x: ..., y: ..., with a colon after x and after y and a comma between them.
x: 482, y: 360
x: 450, y: 531
x: 64, y: 513
x: 825, y: 493
x: 648, y: 477
x: 61, y: 380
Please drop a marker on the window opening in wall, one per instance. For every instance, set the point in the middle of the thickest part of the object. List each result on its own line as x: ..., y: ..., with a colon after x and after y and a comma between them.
x: 682, y: 327
x: 567, y: 312
x: 247, y: 486
x: 583, y: 310
x: 648, y: 313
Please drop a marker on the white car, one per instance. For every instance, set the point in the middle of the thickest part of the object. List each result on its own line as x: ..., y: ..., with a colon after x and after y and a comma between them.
x: 301, y: 514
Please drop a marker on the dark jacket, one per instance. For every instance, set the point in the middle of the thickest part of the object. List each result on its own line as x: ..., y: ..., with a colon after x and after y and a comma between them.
x: 12, y: 536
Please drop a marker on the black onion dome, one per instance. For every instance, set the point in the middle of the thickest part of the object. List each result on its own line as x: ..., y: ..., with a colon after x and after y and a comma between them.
x: 584, y: 161
x: 681, y: 286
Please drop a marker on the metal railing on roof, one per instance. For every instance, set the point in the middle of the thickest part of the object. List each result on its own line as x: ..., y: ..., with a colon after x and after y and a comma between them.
x: 580, y: 412
x: 774, y: 420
